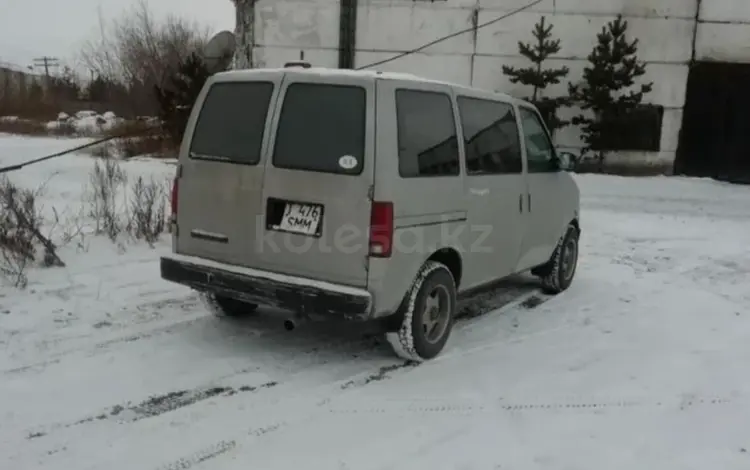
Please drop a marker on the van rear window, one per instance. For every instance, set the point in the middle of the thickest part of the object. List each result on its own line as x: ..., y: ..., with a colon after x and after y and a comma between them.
x: 231, y: 122
x: 319, y: 124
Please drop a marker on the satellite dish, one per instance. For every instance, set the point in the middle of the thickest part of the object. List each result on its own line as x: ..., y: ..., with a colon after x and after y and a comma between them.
x: 219, y: 51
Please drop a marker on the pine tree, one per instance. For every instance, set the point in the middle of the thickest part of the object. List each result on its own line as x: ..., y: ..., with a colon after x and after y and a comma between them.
x: 176, y: 99
x: 538, y: 77
x: 606, y: 88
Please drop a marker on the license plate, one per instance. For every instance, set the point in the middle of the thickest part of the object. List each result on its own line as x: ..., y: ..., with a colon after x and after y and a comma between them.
x: 299, y: 218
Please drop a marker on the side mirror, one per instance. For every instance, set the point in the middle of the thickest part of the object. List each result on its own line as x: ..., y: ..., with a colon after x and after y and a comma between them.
x: 567, y: 161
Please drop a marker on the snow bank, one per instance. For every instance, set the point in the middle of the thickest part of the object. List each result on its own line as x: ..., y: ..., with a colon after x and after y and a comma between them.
x: 86, y: 122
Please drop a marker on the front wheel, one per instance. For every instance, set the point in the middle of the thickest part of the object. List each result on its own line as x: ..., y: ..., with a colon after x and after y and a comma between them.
x: 558, y: 274
x: 426, y: 314
x: 222, y: 306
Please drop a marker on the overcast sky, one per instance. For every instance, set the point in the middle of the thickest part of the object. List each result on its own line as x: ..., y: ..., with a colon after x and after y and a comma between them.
x: 57, y: 28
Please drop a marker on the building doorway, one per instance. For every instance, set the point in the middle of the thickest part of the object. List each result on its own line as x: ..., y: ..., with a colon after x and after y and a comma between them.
x: 715, y: 135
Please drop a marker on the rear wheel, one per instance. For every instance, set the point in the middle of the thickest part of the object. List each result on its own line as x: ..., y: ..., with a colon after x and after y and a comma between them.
x: 426, y: 314
x: 222, y: 306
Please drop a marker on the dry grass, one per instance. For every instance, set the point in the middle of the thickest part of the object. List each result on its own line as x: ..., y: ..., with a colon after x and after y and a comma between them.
x: 116, y: 206
x: 148, y: 209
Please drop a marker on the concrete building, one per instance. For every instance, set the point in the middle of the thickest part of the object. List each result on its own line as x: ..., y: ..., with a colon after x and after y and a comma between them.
x: 695, y: 51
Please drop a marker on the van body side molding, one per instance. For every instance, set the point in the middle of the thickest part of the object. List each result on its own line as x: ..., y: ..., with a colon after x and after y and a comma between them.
x: 430, y: 219
x: 210, y: 236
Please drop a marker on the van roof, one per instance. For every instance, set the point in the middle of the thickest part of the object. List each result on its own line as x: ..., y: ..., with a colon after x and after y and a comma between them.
x: 248, y: 74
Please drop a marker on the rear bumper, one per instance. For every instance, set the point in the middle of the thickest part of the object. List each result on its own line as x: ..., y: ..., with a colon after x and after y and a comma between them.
x: 267, y: 288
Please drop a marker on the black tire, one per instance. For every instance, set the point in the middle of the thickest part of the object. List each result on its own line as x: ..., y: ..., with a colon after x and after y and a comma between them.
x: 434, y: 289
x: 557, y: 275
x: 222, y: 306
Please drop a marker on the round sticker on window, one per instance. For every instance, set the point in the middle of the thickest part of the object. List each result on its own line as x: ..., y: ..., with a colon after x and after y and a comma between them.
x: 347, y: 162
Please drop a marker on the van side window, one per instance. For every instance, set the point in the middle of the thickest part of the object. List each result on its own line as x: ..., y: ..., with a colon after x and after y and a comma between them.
x: 319, y: 124
x: 491, y: 138
x: 427, y: 140
x: 539, y: 150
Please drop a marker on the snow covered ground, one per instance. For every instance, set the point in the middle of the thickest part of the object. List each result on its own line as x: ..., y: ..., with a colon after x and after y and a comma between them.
x: 641, y: 364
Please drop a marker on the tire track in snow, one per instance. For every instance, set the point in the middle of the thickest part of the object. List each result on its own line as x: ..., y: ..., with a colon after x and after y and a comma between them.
x: 530, y: 301
x: 216, y: 449
x: 156, y: 405
x: 300, y: 410
x: 93, y: 349
x: 414, y: 406
x: 131, y: 336
x: 200, y: 456
x: 317, y: 356
x: 278, y: 411
x: 311, y: 409
x: 495, y: 298
x: 305, y: 403
x: 381, y: 374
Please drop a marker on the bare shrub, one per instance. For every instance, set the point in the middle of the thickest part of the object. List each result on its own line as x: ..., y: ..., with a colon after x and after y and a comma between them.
x: 20, y: 231
x: 140, y: 52
x: 148, y: 210
x: 70, y: 227
x: 107, y: 180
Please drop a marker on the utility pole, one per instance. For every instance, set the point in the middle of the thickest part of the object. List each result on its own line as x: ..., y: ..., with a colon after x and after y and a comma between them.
x: 46, y: 63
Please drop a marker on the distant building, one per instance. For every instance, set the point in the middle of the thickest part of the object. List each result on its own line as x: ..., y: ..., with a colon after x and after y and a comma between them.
x: 697, y: 54
x: 16, y: 84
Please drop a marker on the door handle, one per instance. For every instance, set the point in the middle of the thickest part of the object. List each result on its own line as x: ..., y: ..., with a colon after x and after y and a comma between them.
x: 479, y: 192
x: 520, y: 203
x: 529, y: 201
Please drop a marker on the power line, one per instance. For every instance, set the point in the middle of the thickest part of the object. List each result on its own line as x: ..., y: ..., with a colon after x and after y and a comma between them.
x: 19, y: 166
x: 451, y: 36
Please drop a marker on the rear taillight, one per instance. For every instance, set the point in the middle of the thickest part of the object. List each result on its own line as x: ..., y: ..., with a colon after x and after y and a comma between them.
x: 381, y: 229
x: 175, y: 190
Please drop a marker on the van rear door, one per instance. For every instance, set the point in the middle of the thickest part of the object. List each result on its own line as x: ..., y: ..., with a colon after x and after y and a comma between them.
x: 318, y: 177
x: 221, y: 177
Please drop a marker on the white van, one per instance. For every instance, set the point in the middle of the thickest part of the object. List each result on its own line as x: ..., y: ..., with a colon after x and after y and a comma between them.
x: 366, y: 195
